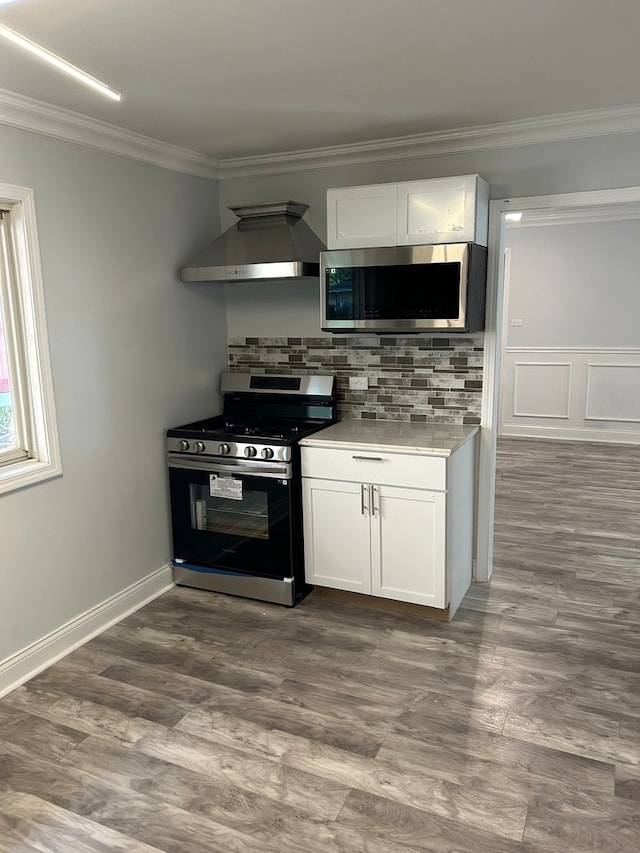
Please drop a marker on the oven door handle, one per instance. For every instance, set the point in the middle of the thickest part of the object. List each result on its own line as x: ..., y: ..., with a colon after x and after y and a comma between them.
x: 232, y: 467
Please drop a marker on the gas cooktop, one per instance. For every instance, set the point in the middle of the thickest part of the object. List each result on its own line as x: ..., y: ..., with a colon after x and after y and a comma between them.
x: 263, y: 417
x: 220, y: 428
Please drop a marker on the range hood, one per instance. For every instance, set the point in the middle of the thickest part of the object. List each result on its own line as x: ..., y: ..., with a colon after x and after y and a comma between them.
x: 270, y: 241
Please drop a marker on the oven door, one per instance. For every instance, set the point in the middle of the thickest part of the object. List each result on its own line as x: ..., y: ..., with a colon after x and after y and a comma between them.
x: 232, y: 515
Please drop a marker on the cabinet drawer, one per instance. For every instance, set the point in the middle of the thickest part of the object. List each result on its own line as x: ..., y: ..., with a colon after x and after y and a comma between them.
x: 373, y: 466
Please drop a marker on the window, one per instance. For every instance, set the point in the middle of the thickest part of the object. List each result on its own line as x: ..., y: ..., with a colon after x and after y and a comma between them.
x: 29, y: 448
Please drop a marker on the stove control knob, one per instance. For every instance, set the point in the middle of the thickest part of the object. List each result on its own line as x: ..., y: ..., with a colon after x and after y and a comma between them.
x: 250, y: 451
x: 183, y: 444
x: 267, y: 453
x: 224, y: 449
x: 199, y: 447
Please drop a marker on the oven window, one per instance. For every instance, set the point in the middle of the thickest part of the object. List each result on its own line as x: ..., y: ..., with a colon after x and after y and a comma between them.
x: 247, y: 517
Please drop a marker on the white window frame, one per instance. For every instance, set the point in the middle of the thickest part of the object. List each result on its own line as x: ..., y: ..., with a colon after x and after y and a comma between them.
x: 28, y: 344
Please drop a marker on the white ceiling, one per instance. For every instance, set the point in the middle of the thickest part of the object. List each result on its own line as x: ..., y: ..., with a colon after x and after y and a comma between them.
x: 234, y: 78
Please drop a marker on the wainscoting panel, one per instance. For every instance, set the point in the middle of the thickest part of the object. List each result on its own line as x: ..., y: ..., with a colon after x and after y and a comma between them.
x: 586, y: 394
x: 541, y: 390
x: 613, y: 393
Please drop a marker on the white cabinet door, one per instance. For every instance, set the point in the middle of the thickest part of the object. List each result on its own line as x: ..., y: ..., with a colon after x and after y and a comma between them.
x: 358, y: 217
x: 337, y: 535
x: 439, y: 210
x: 436, y: 210
x: 408, y: 541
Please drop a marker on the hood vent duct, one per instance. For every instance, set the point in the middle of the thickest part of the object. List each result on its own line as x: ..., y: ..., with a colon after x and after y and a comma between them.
x: 270, y: 241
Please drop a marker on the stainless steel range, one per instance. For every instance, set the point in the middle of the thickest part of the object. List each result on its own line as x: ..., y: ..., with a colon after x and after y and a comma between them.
x: 236, y: 507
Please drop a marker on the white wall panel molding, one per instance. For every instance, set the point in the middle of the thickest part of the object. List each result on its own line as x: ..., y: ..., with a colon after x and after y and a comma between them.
x: 541, y: 389
x: 40, y: 117
x: 613, y: 393
x: 22, y: 666
x: 579, y: 393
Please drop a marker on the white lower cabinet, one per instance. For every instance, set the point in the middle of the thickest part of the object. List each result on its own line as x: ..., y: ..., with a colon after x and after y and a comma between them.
x: 392, y: 525
x: 375, y: 539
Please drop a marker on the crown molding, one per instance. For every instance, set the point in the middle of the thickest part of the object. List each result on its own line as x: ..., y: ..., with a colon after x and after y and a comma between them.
x: 40, y: 117
x: 619, y: 212
x: 550, y: 128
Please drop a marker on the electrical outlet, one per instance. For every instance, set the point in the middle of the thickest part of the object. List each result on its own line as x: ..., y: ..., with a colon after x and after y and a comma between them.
x: 516, y: 322
x: 358, y: 383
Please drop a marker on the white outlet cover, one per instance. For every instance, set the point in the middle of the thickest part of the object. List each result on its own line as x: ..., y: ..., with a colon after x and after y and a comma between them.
x: 358, y: 383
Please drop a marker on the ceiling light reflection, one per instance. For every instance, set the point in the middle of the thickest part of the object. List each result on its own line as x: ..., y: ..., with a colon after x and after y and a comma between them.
x: 58, y: 62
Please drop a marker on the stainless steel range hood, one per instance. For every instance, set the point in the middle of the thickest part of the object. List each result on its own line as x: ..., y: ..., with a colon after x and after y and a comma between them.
x: 269, y: 242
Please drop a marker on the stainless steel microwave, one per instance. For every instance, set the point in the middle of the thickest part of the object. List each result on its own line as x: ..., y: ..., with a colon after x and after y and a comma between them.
x: 404, y: 289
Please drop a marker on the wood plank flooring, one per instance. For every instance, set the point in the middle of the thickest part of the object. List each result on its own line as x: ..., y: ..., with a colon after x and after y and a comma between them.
x: 210, y: 723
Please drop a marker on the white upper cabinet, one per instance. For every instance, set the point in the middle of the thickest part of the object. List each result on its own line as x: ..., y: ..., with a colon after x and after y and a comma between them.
x: 443, y: 210
x: 437, y: 210
x: 362, y: 216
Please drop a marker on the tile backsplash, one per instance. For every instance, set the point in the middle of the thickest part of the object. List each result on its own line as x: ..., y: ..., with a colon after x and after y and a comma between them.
x: 410, y: 378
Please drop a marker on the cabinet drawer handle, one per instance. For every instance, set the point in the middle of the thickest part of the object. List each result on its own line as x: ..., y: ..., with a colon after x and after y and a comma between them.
x: 370, y: 458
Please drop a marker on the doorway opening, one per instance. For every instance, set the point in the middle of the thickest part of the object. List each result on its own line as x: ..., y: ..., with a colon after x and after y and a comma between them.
x: 565, y: 211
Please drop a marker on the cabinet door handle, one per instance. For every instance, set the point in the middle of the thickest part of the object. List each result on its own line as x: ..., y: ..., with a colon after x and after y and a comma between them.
x: 370, y: 458
x: 362, y: 506
x: 374, y: 492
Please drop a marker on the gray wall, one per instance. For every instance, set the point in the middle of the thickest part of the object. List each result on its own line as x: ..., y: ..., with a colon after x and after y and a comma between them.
x: 574, y: 285
x: 546, y: 168
x: 133, y: 352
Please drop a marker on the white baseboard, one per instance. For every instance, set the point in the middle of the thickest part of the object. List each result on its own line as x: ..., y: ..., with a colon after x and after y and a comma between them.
x: 569, y: 434
x: 22, y: 666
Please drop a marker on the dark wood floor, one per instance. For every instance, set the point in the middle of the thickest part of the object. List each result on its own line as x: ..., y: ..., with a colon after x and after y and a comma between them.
x: 208, y: 723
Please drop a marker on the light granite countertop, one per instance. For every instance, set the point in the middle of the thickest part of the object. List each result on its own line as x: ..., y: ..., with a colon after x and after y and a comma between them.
x: 392, y: 436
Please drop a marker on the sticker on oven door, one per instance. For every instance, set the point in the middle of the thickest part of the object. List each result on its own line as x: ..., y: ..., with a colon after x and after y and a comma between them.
x: 225, y: 487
